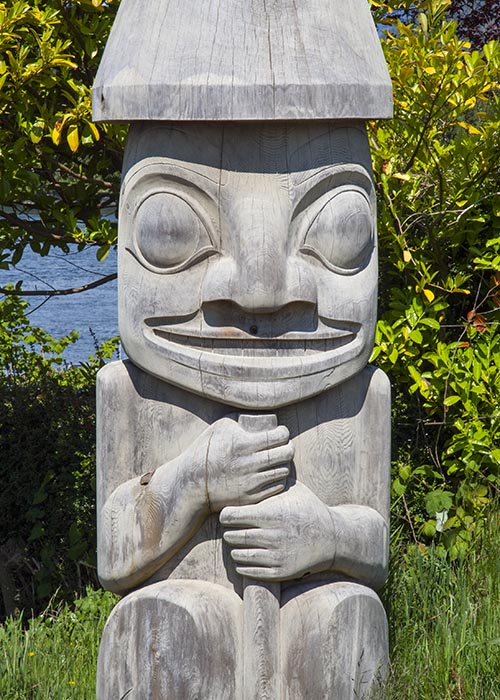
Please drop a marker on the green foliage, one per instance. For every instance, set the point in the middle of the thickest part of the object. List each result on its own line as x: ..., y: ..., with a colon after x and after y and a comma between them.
x: 59, y: 173
x: 47, y: 428
x: 438, y: 179
x: 54, y: 655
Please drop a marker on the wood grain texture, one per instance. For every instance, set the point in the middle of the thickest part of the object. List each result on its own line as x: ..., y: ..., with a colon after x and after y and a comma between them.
x: 242, y: 60
x: 261, y: 641
x: 261, y: 616
x: 129, y: 445
x: 164, y: 642
x: 352, y: 638
x: 248, y: 554
x: 268, y: 196
x: 334, y: 642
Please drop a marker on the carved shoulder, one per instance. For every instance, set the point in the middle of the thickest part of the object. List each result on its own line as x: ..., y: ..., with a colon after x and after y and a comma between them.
x: 143, y: 422
x: 380, y: 386
x: 376, y: 412
x: 375, y: 444
x: 109, y: 380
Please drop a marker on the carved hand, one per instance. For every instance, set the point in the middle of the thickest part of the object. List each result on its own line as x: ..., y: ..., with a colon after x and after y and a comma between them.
x: 283, y: 537
x: 242, y: 467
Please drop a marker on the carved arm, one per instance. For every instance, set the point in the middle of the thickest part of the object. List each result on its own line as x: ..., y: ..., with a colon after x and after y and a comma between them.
x: 295, y: 533
x: 146, y: 520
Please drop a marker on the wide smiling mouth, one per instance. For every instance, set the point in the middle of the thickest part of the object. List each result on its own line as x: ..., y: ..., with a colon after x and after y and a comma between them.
x: 252, y: 340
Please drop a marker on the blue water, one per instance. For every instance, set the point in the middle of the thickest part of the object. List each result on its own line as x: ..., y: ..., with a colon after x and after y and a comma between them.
x: 93, y: 312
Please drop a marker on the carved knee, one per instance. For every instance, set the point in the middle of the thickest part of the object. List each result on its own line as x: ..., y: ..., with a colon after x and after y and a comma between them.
x: 173, y: 640
x: 334, y: 642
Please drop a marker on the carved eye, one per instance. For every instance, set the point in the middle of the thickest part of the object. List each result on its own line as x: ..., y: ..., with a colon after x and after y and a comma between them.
x: 342, y: 232
x: 169, y: 233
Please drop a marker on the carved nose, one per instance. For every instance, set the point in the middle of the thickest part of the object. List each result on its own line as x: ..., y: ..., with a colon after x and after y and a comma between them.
x: 259, y: 285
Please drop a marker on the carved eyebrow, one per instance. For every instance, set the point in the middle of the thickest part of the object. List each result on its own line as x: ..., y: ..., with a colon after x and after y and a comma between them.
x: 197, y: 173
x: 327, y: 179
x: 331, y: 170
x: 170, y: 168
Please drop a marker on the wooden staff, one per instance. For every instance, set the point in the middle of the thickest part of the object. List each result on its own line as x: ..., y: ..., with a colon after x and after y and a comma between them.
x: 261, y: 615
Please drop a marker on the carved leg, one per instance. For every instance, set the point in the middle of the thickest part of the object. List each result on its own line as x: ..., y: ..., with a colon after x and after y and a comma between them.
x: 176, y: 640
x: 334, y: 642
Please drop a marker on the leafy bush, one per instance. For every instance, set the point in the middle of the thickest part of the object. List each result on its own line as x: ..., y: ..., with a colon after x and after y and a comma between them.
x: 60, y: 173
x: 438, y: 181
x: 47, y: 445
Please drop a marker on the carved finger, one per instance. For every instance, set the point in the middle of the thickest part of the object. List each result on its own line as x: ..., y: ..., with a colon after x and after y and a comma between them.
x: 268, y: 491
x: 253, y: 557
x: 256, y: 496
x: 270, y: 438
x: 241, y: 516
x: 263, y: 479
x: 260, y: 515
x: 264, y: 460
x: 251, y: 538
x: 271, y: 573
x: 276, y: 455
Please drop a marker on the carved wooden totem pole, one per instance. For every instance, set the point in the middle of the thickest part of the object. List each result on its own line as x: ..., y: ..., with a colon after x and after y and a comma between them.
x: 243, y: 449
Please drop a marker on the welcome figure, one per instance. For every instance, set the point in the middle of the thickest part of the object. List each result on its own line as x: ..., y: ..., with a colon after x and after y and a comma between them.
x: 243, y: 448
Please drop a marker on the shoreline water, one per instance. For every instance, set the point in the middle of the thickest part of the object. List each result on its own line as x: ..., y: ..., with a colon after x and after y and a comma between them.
x: 93, y: 313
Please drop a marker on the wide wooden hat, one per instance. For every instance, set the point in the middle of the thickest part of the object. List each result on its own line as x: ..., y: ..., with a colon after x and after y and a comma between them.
x: 242, y: 60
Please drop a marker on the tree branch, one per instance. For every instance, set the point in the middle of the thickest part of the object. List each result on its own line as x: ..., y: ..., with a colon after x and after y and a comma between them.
x: 427, y: 121
x: 78, y: 176
x: 38, y: 230
x: 57, y: 292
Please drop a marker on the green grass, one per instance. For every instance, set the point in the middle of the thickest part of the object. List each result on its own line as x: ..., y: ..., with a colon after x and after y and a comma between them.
x: 54, y: 656
x: 444, y: 621
x: 445, y: 624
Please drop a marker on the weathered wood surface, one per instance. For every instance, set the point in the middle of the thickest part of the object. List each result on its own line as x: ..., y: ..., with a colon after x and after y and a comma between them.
x: 261, y: 616
x: 343, y: 627
x: 275, y: 297
x: 179, y: 640
x: 242, y: 60
x: 182, y: 633
x: 247, y: 282
x: 341, y: 450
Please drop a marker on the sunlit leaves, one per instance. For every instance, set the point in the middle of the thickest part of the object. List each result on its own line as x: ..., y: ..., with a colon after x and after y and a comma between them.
x: 438, y: 178
x: 58, y: 182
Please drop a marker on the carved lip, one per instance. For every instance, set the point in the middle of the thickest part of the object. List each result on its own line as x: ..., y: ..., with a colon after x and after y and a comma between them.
x: 254, y: 342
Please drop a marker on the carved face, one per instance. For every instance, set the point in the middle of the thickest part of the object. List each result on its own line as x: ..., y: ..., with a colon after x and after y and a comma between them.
x: 248, y: 258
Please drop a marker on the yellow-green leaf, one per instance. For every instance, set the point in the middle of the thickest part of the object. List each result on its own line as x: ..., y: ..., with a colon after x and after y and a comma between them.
x: 36, y: 134
x: 64, y: 62
x: 56, y: 134
x: 469, y: 127
x: 73, y: 138
x: 94, y: 130
x: 422, y: 18
x: 429, y: 528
